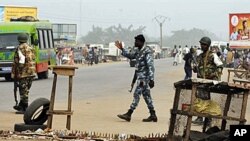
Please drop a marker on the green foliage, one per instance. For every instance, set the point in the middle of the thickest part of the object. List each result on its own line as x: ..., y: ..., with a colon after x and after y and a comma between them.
x: 111, y: 34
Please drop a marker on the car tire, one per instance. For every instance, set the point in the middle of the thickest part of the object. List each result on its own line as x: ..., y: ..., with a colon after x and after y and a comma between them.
x: 19, y: 127
x: 34, y: 115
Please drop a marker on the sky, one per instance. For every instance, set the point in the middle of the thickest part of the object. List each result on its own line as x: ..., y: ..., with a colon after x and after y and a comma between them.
x: 211, y: 15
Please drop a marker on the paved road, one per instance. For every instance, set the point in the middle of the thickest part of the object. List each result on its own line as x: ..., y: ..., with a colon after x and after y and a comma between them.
x: 89, y: 81
x: 100, y: 93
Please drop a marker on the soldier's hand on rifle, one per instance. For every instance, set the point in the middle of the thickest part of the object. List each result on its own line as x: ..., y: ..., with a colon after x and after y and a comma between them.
x: 151, y: 84
x: 118, y: 44
x: 195, y: 69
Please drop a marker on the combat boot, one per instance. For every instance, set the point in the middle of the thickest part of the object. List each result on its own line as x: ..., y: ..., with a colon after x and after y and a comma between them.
x: 198, y: 120
x: 21, y: 107
x: 152, y: 117
x: 126, y: 116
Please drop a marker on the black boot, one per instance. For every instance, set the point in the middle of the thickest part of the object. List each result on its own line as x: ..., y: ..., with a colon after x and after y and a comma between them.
x: 21, y: 107
x: 208, y: 122
x: 152, y: 117
x: 126, y: 116
x: 198, y: 120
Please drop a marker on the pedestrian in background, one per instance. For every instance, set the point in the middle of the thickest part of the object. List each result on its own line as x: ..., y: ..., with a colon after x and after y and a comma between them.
x: 23, y: 70
x: 188, y: 63
x: 145, y: 77
x: 180, y: 58
x: 175, y: 55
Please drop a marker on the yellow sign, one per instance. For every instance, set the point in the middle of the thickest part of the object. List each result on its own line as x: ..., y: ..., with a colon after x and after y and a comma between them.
x: 17, y: 12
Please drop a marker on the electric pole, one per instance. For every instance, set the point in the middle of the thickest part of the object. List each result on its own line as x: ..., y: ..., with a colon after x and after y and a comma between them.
x: 160, y: 20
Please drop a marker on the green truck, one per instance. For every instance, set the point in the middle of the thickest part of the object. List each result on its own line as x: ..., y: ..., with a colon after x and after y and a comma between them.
x: 40, y: 37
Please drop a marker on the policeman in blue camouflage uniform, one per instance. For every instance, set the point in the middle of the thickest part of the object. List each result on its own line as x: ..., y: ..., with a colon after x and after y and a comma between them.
x: 23, y: 70
x: 145, y: 77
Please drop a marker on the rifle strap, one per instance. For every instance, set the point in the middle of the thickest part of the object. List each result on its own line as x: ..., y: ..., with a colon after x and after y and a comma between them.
x: 205, y: 64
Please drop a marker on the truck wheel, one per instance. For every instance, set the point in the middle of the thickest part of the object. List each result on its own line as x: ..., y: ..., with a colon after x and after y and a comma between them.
x: 43, y: 75
x: 36, y: 113
x: 8, y: 77
x: 19, y: 127
x: 39, y: 75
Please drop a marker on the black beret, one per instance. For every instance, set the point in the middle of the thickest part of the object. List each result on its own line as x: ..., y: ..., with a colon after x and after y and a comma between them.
x: 140, y: 37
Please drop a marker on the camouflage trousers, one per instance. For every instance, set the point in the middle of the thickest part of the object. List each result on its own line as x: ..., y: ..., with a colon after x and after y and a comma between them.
x: 24, y: 87
x: 143, y: 89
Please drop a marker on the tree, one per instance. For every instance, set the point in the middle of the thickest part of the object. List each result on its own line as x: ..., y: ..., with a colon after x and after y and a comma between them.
x: 187, y: 37
x: 112, y: 33
x: 126, y: 34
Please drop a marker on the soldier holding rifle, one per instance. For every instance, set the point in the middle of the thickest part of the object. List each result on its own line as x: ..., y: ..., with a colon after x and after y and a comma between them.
x: 23, y: 71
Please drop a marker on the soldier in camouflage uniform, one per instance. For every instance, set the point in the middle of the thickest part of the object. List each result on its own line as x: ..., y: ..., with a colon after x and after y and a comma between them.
x: 145, y: 77
x: 209, y: 67
x: 23, y: 70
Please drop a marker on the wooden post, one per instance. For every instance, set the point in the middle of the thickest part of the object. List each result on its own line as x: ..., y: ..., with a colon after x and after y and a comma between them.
x: 52, y: 101
x: 189, y: 119
x: 173, y: 113
x: 226, y: 109
x: 228, y: 75
x: 244, y: 106
x: 69, y: 102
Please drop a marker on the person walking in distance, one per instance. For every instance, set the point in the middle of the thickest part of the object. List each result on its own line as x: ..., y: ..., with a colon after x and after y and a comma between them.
x: 145, y: 77
x: 188, y: 63
x: 209, y: 67
x: 175, y: 55
x: 23, y: 70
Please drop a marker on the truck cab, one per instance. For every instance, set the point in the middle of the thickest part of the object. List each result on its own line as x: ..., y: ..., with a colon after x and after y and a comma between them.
x: 40, y: 38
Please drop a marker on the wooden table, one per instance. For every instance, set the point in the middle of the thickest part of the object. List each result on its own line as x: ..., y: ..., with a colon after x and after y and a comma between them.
x: 220, y: 88
x: 64, y: 71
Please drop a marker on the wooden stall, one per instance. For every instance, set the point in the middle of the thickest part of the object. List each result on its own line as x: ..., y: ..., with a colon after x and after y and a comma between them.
x: 214, y: 87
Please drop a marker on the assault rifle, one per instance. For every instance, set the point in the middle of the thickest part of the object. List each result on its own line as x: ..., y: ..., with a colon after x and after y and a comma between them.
x: 15, y: 87
x: 133, y: 82
x: 195, y: 66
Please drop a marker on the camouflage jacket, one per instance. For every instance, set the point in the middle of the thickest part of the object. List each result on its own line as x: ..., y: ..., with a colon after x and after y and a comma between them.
x: 144, y: 62
x: 209, y: 66
x: 27, y: 68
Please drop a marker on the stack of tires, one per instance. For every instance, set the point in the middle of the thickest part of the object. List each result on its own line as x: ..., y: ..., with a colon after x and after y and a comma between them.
x: 35, y: 116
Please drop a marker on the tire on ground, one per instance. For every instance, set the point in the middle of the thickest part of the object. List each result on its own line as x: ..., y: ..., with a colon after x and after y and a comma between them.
x: 19, y: 127
x: 36, y: 113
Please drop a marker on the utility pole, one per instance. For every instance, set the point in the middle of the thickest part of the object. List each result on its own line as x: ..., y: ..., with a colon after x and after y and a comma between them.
x: 80, y: 28
x: 160, y: 20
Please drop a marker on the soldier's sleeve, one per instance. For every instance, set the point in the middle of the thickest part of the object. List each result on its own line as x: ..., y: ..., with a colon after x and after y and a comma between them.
x: 217, y: 60
x: 129, y: 55
x: 21, y: 55
x: 150, y: 64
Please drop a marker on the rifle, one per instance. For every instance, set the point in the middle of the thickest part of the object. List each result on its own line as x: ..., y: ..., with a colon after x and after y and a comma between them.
x: 15, y: 83
x: 133, y: 82
x: 195, y: 69
x: 15, y: 89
